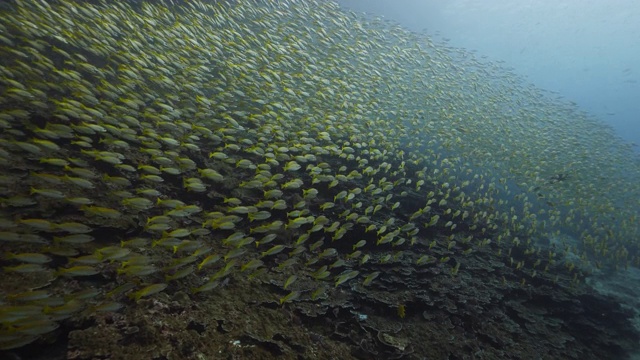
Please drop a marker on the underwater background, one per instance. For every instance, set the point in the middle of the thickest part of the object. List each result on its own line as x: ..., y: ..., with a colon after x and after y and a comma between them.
x: 295, y: 180
x: 583, y: 51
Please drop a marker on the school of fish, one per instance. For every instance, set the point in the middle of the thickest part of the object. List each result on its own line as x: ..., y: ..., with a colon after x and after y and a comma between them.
x: 155, y: 146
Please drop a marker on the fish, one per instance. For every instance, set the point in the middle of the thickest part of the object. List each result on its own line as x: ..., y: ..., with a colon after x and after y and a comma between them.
x: 148, y: 291
x: 292, y: 296
x: 78, y: 270
x: 178, y: 149
x: 346, y: 276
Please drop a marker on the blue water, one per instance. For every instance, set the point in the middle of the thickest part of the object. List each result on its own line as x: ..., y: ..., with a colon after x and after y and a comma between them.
x: 586, y: 51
